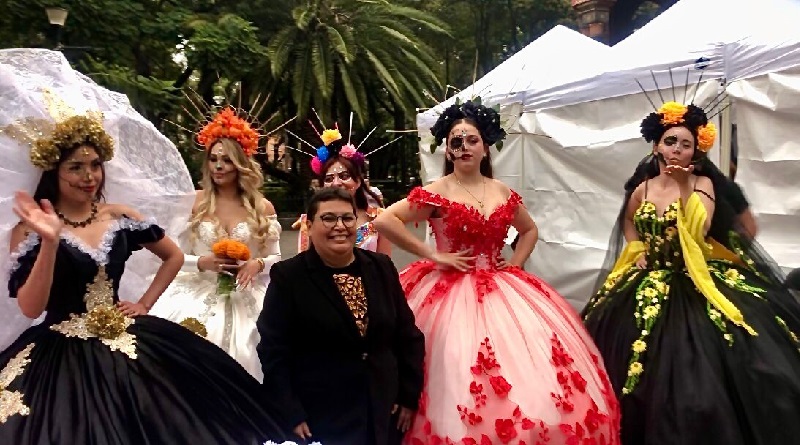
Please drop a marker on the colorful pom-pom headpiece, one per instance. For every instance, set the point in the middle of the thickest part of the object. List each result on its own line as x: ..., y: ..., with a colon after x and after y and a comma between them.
x: 333, y: 146
x: 673, y: 113
x: 486, y: 119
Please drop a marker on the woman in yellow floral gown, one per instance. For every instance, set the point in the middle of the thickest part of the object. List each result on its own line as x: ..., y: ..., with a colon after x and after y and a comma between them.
x: 698, y: 335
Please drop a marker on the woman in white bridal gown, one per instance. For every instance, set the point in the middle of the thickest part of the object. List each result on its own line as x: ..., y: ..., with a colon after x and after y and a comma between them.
x: 230, y: 207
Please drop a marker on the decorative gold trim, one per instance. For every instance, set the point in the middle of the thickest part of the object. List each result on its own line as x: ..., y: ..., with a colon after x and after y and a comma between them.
x: 103, y: 320
x: 11, y: 402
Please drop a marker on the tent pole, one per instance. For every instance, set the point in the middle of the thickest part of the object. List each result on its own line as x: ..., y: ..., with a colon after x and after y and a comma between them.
x: 725, y: 139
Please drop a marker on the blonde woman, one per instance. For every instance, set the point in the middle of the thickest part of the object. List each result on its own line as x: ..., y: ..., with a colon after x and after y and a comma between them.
x: 229, y: 206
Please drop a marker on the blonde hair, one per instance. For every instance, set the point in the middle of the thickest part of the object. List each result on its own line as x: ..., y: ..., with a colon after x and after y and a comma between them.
x: 250, y: 179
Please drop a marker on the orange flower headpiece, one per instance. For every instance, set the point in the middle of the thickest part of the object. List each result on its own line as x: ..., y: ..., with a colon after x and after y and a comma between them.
x: 226, y: 124
x: 217, y: 122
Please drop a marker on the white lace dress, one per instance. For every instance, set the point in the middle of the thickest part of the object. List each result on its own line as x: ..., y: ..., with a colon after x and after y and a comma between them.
x: 229, y: 321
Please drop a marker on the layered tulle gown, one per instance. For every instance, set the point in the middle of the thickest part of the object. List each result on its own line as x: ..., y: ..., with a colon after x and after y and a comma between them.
x: 89, y: 375
x: 508, y: 360
x: 700, y: 345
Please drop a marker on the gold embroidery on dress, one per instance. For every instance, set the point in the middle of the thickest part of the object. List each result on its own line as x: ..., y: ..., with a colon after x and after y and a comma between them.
x: 11, y: 401
x: 352, y: 290
x: 195, y: 326
x: 102, y: 319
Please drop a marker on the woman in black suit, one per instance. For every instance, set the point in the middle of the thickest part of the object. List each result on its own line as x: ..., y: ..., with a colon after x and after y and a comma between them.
x: 339, y: 347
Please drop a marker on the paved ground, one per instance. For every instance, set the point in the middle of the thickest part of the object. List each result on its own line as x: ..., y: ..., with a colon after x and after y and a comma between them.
x: 401, y: 259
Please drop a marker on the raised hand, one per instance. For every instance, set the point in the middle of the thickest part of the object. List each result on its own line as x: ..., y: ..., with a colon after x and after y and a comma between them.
x: 680, y: 174
x: 41, y: 218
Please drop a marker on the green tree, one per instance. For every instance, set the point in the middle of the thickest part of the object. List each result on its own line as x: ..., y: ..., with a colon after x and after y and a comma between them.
x: 354, y: 55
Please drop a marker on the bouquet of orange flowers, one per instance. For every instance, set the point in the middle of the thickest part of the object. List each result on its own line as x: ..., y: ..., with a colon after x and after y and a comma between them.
x: 232, y: 250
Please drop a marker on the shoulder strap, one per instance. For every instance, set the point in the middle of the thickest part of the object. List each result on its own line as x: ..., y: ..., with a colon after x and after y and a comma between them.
x: 704, y: 192
x: 694, y: 188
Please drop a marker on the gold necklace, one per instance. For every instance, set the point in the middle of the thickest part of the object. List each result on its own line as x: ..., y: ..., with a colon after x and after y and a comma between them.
x: 479, y: 201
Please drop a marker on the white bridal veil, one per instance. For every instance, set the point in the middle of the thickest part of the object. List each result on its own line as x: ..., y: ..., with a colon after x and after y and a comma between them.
x: 146, y: 173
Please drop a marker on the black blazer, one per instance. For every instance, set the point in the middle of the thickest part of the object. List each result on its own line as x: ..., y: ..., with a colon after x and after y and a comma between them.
x: 316, y: 365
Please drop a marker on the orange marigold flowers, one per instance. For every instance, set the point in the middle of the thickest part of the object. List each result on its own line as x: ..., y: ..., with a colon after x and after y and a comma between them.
x: 231, y: 249
x: 226, y: 124
x: 706, y: 136
x: 672, y: 113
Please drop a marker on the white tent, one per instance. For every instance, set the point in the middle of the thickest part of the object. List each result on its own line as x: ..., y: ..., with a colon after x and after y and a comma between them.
x: 578, y: 136
x: 561, y: 53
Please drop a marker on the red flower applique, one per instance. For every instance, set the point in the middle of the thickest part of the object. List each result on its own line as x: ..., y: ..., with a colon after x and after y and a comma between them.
x: 500, y: 386
x: 505, y: 429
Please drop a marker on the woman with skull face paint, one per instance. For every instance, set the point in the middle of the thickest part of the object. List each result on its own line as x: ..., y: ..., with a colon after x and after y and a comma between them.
x: 507, y: 358
x: 230, y: 206
x: 339, y: 164
x: 697, y: 332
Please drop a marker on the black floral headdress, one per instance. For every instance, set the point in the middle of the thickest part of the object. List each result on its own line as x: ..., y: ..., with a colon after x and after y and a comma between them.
x: 486, y: 119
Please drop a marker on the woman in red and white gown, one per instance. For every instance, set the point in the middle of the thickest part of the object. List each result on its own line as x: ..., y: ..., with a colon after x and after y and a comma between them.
x: 507, y: 358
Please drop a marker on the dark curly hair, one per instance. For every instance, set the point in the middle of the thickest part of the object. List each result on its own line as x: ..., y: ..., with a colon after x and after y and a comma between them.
x: 485, y: 119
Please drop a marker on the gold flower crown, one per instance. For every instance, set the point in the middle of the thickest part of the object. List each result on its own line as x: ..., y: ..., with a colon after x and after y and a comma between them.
x: 49, y: 138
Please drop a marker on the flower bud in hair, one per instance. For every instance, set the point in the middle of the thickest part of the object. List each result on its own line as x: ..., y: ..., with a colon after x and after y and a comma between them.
x: 706, y: 136
x: 329, y: 136
x: 322, y: 154
x: 348, y: 151
x: 316, y: 165
x: 672, y: 113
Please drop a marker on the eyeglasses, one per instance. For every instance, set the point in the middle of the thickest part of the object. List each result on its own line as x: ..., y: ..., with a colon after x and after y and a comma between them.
x: 343, y: 176
x: 329, y: 220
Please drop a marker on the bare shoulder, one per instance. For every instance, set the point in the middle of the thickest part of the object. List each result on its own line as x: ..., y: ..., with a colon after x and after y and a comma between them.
x: 116, y: 211
x: 439, y: 186
x: 638, y: 192
x: 501, y: 187
x: 704, y: 183
x: 267, y: 206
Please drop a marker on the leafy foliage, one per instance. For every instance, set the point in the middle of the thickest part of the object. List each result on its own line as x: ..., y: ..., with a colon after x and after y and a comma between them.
x: 380, y: 59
